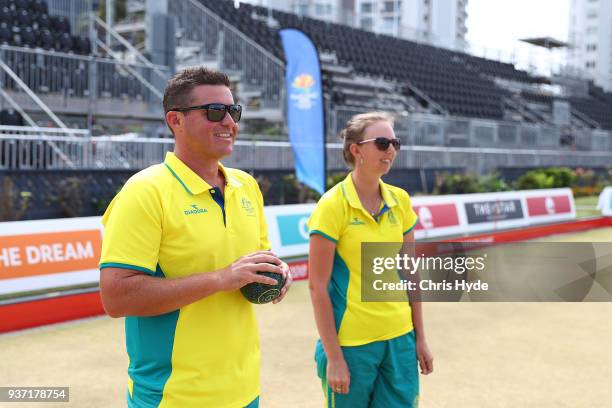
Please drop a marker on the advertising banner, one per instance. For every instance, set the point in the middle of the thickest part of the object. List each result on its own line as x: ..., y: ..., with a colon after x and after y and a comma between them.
x: 305, y: 119
x: 550, y: 205
x: 45, y: 254
x: 48, y: 254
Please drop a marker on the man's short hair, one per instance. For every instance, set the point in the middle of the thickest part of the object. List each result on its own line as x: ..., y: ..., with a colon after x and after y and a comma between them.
x: 180, y: 85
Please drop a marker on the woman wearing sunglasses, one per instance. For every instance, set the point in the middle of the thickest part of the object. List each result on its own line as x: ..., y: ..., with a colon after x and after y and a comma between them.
x: 368, y: 352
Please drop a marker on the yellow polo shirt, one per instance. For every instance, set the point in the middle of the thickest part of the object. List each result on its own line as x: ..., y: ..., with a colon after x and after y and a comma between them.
x: 340, y: 217
x: 169, y: 223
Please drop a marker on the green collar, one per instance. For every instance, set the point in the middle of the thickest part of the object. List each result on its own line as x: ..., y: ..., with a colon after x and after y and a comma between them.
x: 350, y: 193
x: 190, y: 181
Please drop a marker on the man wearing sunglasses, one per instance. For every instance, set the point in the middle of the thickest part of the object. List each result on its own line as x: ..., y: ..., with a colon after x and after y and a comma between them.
x: 181, y: 238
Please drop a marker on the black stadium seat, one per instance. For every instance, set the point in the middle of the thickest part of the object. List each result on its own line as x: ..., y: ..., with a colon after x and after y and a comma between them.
x: 7, y: 15
x: 17, y: 40
x: 29, y: 37
x: 22, y: 4
x: 24, y: 18
x: 64, y: 42
x: 10, y: 117
x: 46, y: 39
x: 6, y: 34
x: 60, y: 24
x: 40, y: 6
x: 42, y: 21
x: 53, y: 22
x: 83, y: 45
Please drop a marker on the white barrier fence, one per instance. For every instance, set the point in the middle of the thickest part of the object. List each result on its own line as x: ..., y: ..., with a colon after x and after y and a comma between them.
x: 441, y: 216
x: 47, y: 254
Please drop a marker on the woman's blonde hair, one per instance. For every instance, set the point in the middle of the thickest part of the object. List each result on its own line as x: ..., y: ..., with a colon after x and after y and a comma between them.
x: 355, y: 128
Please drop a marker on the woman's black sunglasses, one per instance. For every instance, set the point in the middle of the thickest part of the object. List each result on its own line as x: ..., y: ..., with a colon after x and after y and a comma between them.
x: 383, y: 143
x: 215, y: 112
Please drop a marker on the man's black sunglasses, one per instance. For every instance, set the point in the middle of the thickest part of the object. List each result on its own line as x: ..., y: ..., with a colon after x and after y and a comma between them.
x: 215, y: 112
x: 383, y: 143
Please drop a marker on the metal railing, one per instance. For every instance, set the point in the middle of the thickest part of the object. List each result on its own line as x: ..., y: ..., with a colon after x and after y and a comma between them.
x: 24, y: 147
x: 433, y: 130
x: 42, y: 131
x: 34, y: 151
x: 80, y: 84
x: 25, y: 89
x: 161, y: 72
x: 234, y: 52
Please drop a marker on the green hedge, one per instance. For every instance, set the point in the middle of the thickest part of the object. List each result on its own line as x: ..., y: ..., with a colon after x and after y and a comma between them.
x: 552, y: 177
x: 466, y: 183
x: 582, y: 182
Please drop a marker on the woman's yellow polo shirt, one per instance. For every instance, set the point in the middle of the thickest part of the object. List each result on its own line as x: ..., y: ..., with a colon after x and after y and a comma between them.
x: 340, y: 217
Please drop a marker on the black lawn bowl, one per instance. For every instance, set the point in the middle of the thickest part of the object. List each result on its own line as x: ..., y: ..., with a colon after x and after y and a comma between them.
x: 260, y: 293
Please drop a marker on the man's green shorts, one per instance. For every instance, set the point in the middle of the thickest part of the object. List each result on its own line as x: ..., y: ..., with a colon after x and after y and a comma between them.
x: 383, y: 374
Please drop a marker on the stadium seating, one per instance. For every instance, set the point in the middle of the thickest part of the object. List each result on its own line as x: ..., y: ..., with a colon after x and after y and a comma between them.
x: 457, y: 81
x: 599, y: 94
x: 597, y: 107
x: 26, y: 23
x: 537, y: 98
x: 497, y: 69
x: 597, y: 110
x: 461, y: 83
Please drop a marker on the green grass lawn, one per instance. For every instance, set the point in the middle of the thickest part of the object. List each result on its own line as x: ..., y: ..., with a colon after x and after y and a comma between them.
x: 586, y: 207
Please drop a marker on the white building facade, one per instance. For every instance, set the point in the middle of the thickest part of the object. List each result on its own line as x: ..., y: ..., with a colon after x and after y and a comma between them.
x: 437, y: 22
x: 590, y: 38
x: 335, y: 11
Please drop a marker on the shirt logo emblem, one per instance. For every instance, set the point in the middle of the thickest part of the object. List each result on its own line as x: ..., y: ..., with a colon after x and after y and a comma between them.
x: 392, y: 219
x: 356, y: 221
x: 195, y: 210
x: 247, y: 206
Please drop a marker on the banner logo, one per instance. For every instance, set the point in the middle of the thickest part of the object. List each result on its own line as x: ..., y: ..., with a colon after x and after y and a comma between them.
x: 303, y: 93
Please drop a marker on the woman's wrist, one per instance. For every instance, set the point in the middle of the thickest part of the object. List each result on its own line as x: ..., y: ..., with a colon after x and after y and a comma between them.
x: 335, y: 357
x: 335, y: 354
x: 419, y: 336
